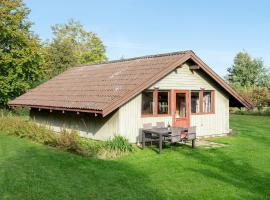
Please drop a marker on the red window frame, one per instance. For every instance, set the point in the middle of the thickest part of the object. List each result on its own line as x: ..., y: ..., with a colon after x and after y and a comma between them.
x: 155, y: 100
x: 201, y: 108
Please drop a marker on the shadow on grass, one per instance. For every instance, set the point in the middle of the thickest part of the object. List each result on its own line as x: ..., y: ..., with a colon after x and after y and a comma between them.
x: 237, y: 173
x: 32, y: 171
x: 167, y: 146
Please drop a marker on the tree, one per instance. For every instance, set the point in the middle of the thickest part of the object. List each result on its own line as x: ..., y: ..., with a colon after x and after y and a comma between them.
x: 259, y: 96
x: 73, y: 45
x: 21, y: 63
x: 248, y: 72
x: 58, y: 56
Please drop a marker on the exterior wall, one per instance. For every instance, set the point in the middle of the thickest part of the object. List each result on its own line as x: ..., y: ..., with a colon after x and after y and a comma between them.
x: 131, y: 121
x: 88, y: 125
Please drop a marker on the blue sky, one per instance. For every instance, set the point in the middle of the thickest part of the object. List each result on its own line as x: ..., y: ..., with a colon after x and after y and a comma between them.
x: 215, y: 30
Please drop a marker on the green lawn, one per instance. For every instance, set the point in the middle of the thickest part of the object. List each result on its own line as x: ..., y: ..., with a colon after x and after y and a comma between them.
x: 240, y: 170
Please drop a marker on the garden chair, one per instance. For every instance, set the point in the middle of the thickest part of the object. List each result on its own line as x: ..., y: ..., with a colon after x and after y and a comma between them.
x: 175, y: 135
x: 160, y: 124
x: 148, y: 136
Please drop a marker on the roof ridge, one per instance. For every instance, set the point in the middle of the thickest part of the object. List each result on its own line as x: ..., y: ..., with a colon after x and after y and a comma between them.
x: 139, y: 57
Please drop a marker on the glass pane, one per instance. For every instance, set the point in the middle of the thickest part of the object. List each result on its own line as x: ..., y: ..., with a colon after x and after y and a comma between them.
x: 195, y: 102
x: 147, y: 102
x: 207, y: 102
x: 180, y: 105
x: 163, y: 103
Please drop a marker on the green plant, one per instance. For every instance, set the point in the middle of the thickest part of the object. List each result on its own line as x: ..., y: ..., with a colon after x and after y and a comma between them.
x: 119, y: 143
x: 69, y: 141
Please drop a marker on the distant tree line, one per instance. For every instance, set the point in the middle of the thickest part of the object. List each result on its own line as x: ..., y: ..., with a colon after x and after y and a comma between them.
x: 26, y: 61
x: 251, y: 78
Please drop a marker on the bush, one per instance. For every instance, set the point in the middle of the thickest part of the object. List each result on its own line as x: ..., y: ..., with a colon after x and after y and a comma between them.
x: 69, y: 141
x: 262, y: 112
x: 14, y: 112
x: 40, y: 133
x: 119, y: 143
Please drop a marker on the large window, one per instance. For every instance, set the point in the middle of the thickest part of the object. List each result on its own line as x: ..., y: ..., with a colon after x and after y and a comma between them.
x: 202, y: 102
x: 163, y: 103
x: 195, y: 102
x: 147, y: 103
x: 155, y: 103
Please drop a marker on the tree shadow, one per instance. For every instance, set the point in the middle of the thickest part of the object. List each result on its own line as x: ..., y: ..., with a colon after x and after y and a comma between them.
x: 38, y: 172
x: 234, y: 172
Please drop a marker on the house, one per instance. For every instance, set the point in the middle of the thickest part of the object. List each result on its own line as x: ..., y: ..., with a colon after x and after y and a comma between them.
x: 118, y: 97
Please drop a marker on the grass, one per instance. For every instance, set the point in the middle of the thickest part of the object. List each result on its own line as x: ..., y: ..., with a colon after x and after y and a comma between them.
x: 240, y: 170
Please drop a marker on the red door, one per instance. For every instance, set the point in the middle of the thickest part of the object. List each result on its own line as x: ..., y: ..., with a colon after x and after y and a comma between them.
x: 181, y: 108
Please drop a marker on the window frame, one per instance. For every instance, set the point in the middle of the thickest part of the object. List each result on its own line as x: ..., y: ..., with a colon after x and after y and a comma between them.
x: 153, y: 104
x: 155, y: 101
x: 201, y: 102
x: 199, y: 92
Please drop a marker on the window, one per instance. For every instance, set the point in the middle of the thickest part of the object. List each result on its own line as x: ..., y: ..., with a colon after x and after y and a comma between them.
x: 155, y: 103
x: 202, y: 102
x: 147, y: 103
x: 207, y: 102
x: 163, y: 103
x: 195, y: 102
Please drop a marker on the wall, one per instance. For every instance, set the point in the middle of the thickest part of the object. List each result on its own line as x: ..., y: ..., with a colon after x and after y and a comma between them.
x: 130, y: 120
x: 87, y: 124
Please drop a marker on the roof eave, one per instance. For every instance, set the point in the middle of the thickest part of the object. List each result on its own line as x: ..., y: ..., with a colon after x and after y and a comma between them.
x: 221, y: 82
x: 57, y: 108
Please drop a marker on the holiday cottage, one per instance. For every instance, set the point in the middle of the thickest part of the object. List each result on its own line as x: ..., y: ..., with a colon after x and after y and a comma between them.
x: 118, y: 97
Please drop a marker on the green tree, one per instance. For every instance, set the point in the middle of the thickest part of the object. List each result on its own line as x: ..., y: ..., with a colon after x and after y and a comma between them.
x: 248, y: 72
x: 21, y: 63
x: 72, y: 45
x: 259, y: 96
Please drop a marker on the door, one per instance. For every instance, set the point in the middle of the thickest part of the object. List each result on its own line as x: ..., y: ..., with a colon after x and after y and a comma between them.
x: 181, y: 108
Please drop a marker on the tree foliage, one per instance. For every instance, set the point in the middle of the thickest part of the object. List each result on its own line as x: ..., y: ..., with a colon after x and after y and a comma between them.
x: 72, y: 45
x: 248, y: 72
x: 251, y: 79
x: 21, y: 62
x: 259, y: 96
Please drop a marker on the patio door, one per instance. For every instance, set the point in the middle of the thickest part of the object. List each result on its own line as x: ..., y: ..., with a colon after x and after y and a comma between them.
x: 181, y: 108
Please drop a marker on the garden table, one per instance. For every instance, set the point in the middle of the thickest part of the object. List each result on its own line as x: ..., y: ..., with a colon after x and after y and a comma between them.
x: 160, y: 132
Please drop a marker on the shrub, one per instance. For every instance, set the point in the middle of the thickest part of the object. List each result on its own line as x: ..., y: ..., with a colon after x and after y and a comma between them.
x: 40, y: 133
x: 119, y: 143
x: 14, y: 112
x: 69, y: 141
x: 91, y: 148
x: 262, y: 112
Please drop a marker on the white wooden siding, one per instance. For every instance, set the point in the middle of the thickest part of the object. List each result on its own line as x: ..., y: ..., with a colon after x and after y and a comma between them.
x: 211, y: 124
x: 130, y: 120
x: 87, y: 125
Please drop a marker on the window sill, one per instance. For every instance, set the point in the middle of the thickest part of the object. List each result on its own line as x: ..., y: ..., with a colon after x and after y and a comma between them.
x: 209, y: 113
x: 159, y: 115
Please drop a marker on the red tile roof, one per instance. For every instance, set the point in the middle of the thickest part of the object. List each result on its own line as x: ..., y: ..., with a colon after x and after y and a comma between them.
x: 102, y: 87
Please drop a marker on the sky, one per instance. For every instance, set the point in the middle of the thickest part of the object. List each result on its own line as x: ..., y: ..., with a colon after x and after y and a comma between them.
x: 215, y: 30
